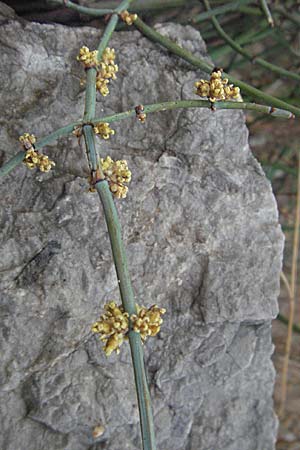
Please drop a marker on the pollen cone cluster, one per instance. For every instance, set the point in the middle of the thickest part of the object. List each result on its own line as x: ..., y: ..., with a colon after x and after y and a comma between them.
x: 106, y: 67
x: 112, y: 327
x: 117, y: 173
x: 128, y: 18
x: 33, y: 158
x: 107, y: 70
x: 147, y: 322
x: 217, y: 88
x: 103, y: 130
x: 87, y: 57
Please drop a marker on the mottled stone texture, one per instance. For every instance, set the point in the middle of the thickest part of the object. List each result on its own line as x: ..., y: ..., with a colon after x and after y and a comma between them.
x: 202, y: 237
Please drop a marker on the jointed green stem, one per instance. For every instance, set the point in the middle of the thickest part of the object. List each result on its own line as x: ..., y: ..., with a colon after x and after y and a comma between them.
x: 18, y: 158
x: 266, y: 10
x: 206, y: 67
x: 126, y: 291
x: 90, y: 94
x: 234, y: 6
x: 156, y: 107
x: 259, y: 61
x: 119, y: 256
x: 293, y: 17
x: 84, y: 10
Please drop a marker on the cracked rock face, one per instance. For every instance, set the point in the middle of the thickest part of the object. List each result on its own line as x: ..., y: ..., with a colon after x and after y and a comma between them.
x: 202, y: 237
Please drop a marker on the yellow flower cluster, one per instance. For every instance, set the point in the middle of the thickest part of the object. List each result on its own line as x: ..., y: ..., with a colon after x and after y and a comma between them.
x: 107, y: 70
x: 106, y: 67
x: 216, y: 88
x: 87, y: 57
x: 27, y: 140
x: 113, y: 325
x: 128, y: 18
x: 33, y: 158
x: 117, y: 173
x: 147, y: 322
x: 103, y: 130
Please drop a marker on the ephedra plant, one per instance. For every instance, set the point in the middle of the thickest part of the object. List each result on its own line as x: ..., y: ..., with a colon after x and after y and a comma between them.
x: 110, y: 179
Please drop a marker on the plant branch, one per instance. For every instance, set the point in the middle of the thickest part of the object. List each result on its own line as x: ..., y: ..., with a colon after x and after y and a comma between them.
x: 206, y: 67
x: 255, y: 60
x: 83, y: 9
x: 127, y: 295
x: 234, y: 6
x: 118, y: 250
x: 18, y: 158
x: 267, y: 12
x: 156, y: 107
x: 177, y: 104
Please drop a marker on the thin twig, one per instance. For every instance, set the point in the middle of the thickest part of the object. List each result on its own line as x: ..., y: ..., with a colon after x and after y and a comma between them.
x: 137, y: 6
x: 18, y: 158
x: 255, y: 60
x: 292, y: 294
x: 234, y: 6
x: 156, y: 107
x: 83, y: 9
x: 293, y: 17
x: 267, y: 12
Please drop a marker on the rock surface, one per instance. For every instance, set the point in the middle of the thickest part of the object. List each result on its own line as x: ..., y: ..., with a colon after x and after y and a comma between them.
x: 201, y: 231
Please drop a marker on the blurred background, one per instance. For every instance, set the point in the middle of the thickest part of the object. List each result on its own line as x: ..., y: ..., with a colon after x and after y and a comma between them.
x: 270, y: 31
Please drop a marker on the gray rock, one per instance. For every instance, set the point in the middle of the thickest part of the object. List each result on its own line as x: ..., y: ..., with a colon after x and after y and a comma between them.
x: 202, y: 237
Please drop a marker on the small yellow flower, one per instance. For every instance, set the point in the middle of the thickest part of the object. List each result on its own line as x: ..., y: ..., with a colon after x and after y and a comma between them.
x: 27, y: 140
x: 117, y: 173
x: 87, y: 57
x: 45, y: 164
x: 108, y: 55
x: 33, y: 158
x: 216, y: 88
x: 128, y: 18
x: 112, y: 327
x: 103, y: 130
x: 147, y: 322
x: 106, y: 67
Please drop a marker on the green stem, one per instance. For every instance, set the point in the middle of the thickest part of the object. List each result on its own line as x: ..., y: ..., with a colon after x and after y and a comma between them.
x: 137, y: 6
x: 166, y: 106
x: 127, y: 295
x: 250, y: 10
x: 293, y: 17
x: 18, y: 158
x: 255, y: 60
x: 206, y: 67
x: 234, y: 6
x: 118, y: 250
x: 90, y: 97
x: 90, y: 94
x: 84, y: 10
x: 156, y: 107
x: 249, y: 37
x: 267, y: 12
